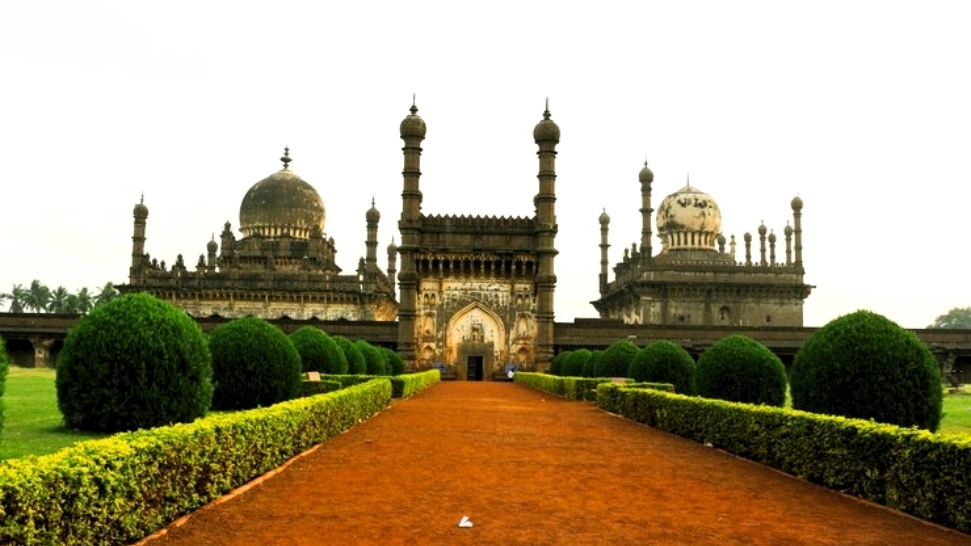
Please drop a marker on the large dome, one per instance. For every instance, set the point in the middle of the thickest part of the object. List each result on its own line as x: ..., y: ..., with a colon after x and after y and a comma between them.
x: 281, y: 205
x: 689, y: 219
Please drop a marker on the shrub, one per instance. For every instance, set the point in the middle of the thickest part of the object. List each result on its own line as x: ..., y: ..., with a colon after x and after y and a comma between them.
x: 573, y: 365
x: 356, y: 365
x: 590, y: 366
x: 4, y: 367
x: 254, y: 364
x: 739, y: 369
x: 615, y: 361
x: 664, y: 361
x: 318, y: 351
x: 396, y: 364
x: 556, y: 365
x: 377, y: 363
x: 866, y: 366
x: 134, y: 362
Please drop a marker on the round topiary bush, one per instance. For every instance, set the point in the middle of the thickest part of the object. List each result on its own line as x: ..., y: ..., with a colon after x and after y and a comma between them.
x: 866, y: 366
x: 573, y: 365
x: 356, y: 365
x: 664, y: 361
x: 396, y: 364
x: 4, y: 368
x: 615, y: 361
x: 254, y: 364
x: 556, y: 364
x: 377, y: 363
x: 134, y: 362
x: 318, y: 351
x: 590, y: 366
x: 739, y: 369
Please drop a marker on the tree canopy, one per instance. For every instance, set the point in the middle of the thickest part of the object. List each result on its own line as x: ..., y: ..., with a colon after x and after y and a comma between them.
x: 959, y: 317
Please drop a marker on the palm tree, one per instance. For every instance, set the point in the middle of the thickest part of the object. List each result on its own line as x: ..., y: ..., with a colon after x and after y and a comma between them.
x: 38, y: 297
x: 83, y: 301
x: 59, y: 301
x: 17, y: 297
x: 105, y: 294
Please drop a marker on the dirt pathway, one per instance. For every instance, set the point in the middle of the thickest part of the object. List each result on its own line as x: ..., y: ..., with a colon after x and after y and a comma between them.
x: 527, y: 468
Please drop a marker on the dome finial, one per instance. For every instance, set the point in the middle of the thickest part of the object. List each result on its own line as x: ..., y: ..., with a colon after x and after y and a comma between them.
x: 142, y: 200
x: 414, y: 109
x: 286, y: 158
x: 546, y: 112
x: 688, y: 178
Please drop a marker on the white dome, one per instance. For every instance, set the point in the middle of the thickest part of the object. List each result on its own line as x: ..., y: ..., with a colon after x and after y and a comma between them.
x: 689, y: 219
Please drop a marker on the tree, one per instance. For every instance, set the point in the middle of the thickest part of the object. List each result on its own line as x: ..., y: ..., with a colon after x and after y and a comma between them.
x: 83, y: 301
x: 17, y: 297
x: 59, y: 301
x: 959, y: 317
x: 105, y: 294
x: 38, y: 297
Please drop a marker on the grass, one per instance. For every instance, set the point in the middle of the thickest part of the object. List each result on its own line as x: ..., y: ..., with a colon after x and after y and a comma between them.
x: 33, y: 424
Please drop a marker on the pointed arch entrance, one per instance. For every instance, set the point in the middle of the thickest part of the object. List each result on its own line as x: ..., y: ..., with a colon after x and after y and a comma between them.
x: 475, y: 341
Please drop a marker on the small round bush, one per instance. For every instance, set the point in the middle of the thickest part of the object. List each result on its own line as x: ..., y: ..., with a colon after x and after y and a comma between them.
x: 590, y: 366
x: 396, y: 364
x: 664, y: 361
x: 740, y: 369
x: 556, y: 365
x: 134, y: 362
x: 573, y: 365
x: 356, y: 365
x: 4, y: 367
x: 377, y: 363
x: 254, y: 364
x: 615, y: 361
x: 318, y: 351
x: 866, y: 366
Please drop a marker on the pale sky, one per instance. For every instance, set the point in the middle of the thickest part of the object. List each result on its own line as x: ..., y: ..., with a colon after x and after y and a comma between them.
x: 863, y: 109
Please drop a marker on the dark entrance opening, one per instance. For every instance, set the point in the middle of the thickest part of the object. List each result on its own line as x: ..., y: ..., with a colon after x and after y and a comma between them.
x: 474, y: 368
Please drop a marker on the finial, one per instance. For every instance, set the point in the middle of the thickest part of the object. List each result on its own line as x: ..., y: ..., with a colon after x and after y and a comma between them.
x: 372, y: 201
x: 213, y: 236
x: 688, y: 176
x: 645, y: 162
x: 414, y: 109
x: 142, y: 200
x: 546, y: 113
x: 286, y: 158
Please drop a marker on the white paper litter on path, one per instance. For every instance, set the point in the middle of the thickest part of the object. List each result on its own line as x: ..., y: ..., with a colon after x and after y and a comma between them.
x: 465, y: 522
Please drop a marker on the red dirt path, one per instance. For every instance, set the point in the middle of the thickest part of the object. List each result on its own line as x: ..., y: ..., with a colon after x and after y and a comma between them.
x: 528, y: 468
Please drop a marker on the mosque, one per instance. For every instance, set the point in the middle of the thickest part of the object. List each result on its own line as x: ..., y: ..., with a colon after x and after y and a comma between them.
x: 473, y: 293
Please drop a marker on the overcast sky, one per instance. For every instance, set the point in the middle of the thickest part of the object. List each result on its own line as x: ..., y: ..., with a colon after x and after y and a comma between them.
x: 863, y: 109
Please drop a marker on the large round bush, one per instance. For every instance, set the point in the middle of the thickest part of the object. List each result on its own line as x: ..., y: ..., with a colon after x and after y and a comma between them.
x: 134, y: 362
x: 664, y: 361
x: 739, y: 369
x: 573, y: 365
x: 377, y: 363
x: 356, y: 365
x: 396, y: 364
x: 556, y: 364
x: 254, y: 364
x: 318, y: 351
x: 866, y: 366
x: 615, y: 360
x: 590, y: 366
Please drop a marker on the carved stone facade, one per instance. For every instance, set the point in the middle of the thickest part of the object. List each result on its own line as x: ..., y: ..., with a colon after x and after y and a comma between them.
x: 477, y: 292
x: 691, y: 282
x: 283, y: 266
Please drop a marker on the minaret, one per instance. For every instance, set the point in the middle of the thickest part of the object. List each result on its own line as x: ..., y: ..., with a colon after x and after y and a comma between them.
x: 772, y: 248
x: 373, y: 217
x: 211, y: 248
x: 392, y: 264
x: 788, y: 234
x: 604, y: 228
x: 762, y: 231
x: 138, y: 241
x: 412, y: 131
x: 547, y: 136
x: 797, y: 228
x: 748, y: 248
x: 646, y: 177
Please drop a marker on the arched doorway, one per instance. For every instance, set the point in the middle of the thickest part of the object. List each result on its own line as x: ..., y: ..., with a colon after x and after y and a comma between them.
x: 475, y: 341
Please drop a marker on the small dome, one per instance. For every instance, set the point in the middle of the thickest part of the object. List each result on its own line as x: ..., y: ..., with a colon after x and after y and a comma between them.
x: 141, y: 211
x: 604, y: 218
x: 392, y: 248
x: 212, y: 246
x: 772, y: 237
x: 373, y: 216
x: 762, y: 229
x: 689, y: 219
x: 413, y: 125
x: 796, y: 203
x: 788, y: 230
x: 281, y: 205
x: 546, y: 130
x: 646, y: 175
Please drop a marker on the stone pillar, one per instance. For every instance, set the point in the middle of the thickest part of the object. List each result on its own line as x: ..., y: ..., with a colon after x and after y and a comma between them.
x: 42, y: 352
x: 604, y: 229
x: 413, y: 131
x: 546, y: 135
x: 797, y: 225
x: 646, y: 177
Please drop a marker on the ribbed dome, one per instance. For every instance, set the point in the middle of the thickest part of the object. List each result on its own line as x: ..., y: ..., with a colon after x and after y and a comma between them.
x: 281, y: 205
x: 373, y: 216
x: 689, y: 219
x: 413, y: 125
x: 546, y: 130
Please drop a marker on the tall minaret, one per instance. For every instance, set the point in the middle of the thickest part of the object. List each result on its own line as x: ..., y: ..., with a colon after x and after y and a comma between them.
x: 138, y: 241
x: 392, y: 264
x: 412, y: 133
x: 547, y: 136
x: 373, y: 217
x: 604, y: 229
x: 797, y: 228
x: 646, y: 177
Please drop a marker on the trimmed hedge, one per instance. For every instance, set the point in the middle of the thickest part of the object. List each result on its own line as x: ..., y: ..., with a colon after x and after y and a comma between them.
x: 376, y: 361
x: 907, y: 469
x: 405, y: 385
x: 318, y: 351
x: 356, y: 365
x: 571, y: 388
x: 118, y: 490
x: 396, y: 364
x: 311, y: 388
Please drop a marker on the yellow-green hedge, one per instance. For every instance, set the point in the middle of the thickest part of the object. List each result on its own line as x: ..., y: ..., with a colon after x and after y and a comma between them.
x: 405, y: 385
x: 573, y: 388
x: 915, y: 471
x: 120, y: 489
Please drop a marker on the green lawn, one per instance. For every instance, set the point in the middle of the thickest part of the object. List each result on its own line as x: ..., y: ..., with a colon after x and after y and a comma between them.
x: 33, y: 425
